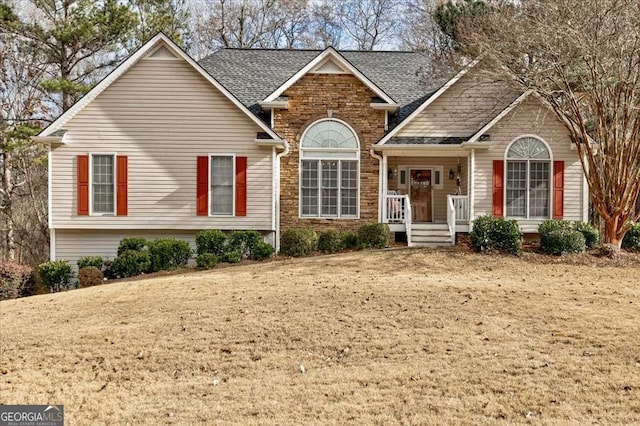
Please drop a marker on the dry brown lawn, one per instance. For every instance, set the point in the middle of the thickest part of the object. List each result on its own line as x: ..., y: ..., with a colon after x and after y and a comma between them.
x: 383, y: 337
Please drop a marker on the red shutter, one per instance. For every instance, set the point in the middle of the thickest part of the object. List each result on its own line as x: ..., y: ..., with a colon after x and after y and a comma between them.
x: 498, y: 188
x: 122, y: 185
x: 241, y: 186
x: 202, y: 188
x: 83, y: 185
x: 558, y: 189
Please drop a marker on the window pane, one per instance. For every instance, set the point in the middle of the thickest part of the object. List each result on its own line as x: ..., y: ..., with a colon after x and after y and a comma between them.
x: 516, y: 188
x: 539, y: 189
x: 103, y: 184
x: 349, y: 188
x: 309, y: 188
x: 222, y: 185
x: 329, y: 190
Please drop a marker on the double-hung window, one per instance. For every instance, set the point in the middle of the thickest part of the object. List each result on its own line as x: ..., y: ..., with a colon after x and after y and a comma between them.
x: 222, y: 185
x: 528, y: 179
x: 329, y: 170
x: 103, y: 183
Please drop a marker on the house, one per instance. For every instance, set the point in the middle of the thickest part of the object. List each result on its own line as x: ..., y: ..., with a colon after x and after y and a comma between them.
x: 271, y: 139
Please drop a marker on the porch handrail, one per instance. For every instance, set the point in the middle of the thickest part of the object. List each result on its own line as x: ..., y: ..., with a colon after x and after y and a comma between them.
x: 396, y: 208
x: 461, y: 206
x: 451, y: 218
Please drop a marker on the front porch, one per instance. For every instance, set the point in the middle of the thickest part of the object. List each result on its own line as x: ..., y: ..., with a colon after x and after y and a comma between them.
x: 426, y: 197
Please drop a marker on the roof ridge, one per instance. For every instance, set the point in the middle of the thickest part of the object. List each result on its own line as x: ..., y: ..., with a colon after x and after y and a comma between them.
x: 274, y: 49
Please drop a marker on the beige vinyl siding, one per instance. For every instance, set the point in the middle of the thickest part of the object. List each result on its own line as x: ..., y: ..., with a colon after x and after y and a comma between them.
x: 439, y: 195
x: 463, y: 109
x: 529, y: 118
x: 162, y: 114
x: 72, y: 244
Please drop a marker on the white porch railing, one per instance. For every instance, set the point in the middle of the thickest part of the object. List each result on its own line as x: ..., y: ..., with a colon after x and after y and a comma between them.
x: 398, y: 208
x: 461, y: 207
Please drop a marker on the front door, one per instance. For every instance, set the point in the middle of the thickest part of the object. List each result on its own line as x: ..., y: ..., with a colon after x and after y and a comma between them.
x: 420, y: 193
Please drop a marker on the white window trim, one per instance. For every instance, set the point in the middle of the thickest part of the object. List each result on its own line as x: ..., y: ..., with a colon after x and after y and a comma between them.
x: 355, y: 158
x: 528, y: 161
x: 407, y: 168
x: 233, y: 184
x: 115, y: 184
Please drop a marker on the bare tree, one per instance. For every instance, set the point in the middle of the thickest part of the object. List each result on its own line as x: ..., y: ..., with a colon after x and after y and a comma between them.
x: 370, y: 22
x: 325, y: 28
x: 582, y: 58
x: 23, y: 210
x: 254, y: 23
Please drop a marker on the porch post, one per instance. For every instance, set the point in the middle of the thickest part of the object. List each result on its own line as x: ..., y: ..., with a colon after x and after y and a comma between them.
x: 471, y: 166
x: 385, y: 185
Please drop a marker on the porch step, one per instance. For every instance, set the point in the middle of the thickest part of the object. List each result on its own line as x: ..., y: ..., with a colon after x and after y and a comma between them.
x: 430, y: 235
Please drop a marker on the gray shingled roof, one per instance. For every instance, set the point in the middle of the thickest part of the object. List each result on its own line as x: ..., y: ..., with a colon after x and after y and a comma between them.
x: 253, y: 74
x: 406, y: 140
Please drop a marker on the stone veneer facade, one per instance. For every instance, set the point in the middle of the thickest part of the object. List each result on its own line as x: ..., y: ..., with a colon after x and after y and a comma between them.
x: 317, y: 96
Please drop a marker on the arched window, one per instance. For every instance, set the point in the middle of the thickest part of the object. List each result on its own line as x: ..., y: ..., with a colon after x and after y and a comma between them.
x: 329, y: 172
x: 528, y: 179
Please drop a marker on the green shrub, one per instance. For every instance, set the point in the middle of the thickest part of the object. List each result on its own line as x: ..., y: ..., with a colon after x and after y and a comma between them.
x: 350, y: 240
x: 168, y: 253
x: 262, y: 251
x: 56, y: 275
x: 89, y: 276
x: 231, y: 256
x: 131, y: 244
x: 562, y: 241
x: 207, y: 260
x: 506, y: 236
x: 330, y: 241
x: 549, y: 226
x: 211, y: 241
x: 590, y: 233
x: 480, y: 233
x: 631, y: 240
x: 496, y: 233
x: 95, y: 261
x: 244, y: 241
x: 298, y: 242
x: 16, y: 280
x: 374, y: 235
x: 130, y: 263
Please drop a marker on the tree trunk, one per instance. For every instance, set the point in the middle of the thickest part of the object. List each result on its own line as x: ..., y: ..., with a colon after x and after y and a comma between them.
x: 7, y: 191
x: 613, y: 234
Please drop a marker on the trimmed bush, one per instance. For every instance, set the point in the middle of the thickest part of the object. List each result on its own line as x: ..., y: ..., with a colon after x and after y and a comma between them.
x: 56, y: 275
x: 330, y: 241
x: 350, y: 240
x: 244, y: 241
x: 631, y: 240
x: 563, y: 241
x: 262, y: 251
x: 95, y: 261
x: 590, y: 233
x: 16, y: 280
x: 89, y: 276
x: 130, y: 263
x: 496, y: 233
x: 131, y: 244
x: 480, y: 233
x: 298, y: 242
x: 211, y: 241
x: 168, y: 253
x: 549, y: 226
x: 506, y: 236
x: 231, y: 256
x: 207, y: 260
x: 374, y: 235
